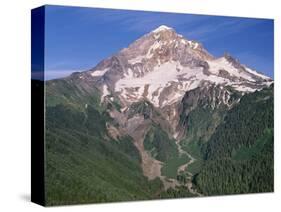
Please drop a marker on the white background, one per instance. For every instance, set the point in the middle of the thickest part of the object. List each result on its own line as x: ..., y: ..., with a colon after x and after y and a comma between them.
x: 15, y: 104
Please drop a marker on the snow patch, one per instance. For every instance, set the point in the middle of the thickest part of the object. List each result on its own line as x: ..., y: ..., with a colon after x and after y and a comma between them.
x: 137, y: 59
x: 243, y: 88
x: 105, y: 92
x: 223, y: 64
x: 98, y: 73
x: 130, y: 73
x: 161, y: 28
x: 183, y: 41
x: 195, y: 45
x: 156, y: 36
x: 256, y: 73
x: 123, y: 109
x: 155, y: 81
x: 175, y: 135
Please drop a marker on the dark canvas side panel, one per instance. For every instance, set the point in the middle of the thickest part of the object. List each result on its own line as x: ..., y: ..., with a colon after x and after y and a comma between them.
x: 37, y: 105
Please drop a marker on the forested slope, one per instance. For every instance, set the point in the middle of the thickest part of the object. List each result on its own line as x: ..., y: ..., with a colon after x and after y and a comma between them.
x: 238, y: 158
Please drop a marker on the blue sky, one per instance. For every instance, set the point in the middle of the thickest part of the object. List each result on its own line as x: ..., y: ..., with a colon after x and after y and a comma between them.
x: 78, y: 38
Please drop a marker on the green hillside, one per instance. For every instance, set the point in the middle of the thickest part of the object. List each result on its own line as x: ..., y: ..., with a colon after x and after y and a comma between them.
x: 239, y: 155
x: 83, y: 163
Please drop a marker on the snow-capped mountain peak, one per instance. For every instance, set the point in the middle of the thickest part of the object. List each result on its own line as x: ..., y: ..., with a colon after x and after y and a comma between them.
x: 162, y: 66
x: 162, y: 28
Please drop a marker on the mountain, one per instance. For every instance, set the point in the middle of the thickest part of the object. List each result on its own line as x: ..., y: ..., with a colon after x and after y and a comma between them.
x: 162, y: 65
x: 144, y: 123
